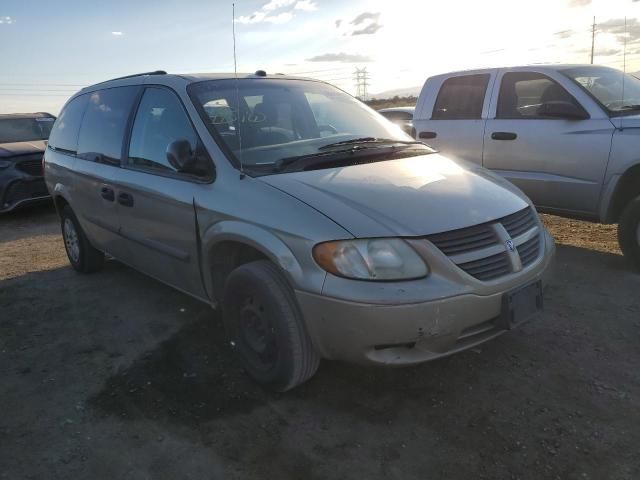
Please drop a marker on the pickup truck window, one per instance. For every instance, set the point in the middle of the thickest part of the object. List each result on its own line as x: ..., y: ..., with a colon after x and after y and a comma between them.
x: 523, y: 93
x: 617, y: 92
x: 461, y: 98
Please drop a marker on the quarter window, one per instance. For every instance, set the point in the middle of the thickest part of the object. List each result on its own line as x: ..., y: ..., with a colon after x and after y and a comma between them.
x: 104, y: 124
x: 461, y: 98
x: 161, y: 120
x: 64, y: 134
x: 523, y: 93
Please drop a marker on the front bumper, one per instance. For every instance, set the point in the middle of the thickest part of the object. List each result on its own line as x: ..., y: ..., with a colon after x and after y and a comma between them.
x: 410, y: 333
x: 22, y: 184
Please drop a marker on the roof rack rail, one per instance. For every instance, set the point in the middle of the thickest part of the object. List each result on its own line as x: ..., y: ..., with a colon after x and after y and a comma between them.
x: 155, y: 72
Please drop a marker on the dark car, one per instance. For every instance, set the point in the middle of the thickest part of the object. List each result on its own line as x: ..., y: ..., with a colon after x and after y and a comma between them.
x: 401, y: 116
x: 23, y: 139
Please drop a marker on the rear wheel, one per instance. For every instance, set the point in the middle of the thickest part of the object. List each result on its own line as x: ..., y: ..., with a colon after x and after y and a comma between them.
x: 266, y: 327
x: 629, y: 232
x: 82, y: 256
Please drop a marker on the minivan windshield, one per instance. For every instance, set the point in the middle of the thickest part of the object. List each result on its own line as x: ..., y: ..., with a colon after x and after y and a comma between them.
x: 25, y: 129
x: 267, y: 123
x: 618, y: 92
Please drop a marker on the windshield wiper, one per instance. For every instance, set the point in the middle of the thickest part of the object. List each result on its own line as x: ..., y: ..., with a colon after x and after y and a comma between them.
x: 630, y: 107
x: 303, y: 162
x: 369, y: 140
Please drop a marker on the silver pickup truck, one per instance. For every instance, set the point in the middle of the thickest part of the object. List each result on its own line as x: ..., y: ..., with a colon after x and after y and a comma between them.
x: 567, y: 135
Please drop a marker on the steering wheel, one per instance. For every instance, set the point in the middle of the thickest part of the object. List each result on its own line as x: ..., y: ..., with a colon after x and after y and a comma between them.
x: 327, y: 128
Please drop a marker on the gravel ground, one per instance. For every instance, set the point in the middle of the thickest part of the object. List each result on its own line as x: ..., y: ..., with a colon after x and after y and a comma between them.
x: 114, y: 375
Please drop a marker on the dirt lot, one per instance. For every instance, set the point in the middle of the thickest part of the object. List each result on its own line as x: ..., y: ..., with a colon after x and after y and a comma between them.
x: 114, y: 375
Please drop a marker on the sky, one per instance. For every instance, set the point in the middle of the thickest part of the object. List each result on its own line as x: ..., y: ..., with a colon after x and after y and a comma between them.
x: 51, y: 49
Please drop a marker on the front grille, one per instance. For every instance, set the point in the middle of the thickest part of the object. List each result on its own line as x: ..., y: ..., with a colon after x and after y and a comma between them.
x: 479, y: 250
x: 32, y: 167
x: 464, y: 239
x: 518, y: 223
x: 529, y: 250
x: 488, y: 268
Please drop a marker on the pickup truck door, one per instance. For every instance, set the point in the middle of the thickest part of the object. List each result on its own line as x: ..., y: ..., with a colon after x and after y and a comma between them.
x: 451, y: 112
x: 558, y: 161
x: 156, y: 202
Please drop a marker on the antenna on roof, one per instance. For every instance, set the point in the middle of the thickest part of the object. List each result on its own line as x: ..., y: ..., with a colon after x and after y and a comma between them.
x: 235, y: 73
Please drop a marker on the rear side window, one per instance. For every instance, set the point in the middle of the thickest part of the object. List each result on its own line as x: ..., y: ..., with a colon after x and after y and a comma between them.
x: 522, y: 94
x: 64, y: 134
x: 461, y: 98
x: 161, y: 120
x: 104, y: 124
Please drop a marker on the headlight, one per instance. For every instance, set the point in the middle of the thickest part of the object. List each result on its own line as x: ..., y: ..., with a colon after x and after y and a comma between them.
x: 5, y: 163
x: 371, y: 259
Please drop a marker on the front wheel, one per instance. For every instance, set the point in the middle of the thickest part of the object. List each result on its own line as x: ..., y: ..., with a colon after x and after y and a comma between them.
x: 629, y: 232
x: 266, y: 327
x: 82, y: 256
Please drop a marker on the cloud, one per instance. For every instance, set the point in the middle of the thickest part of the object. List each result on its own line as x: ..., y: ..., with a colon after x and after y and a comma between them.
x: 579, y: 3
x: 7, y: 20
x: 278, y: 11
x: 369, y: 21
x: 117, y: 34
x: 338, y: 23
x: 306, y: 6
x: 368, y: 30
x: 616, y: 27
x: 564, y: 34
x: 606, y: 52
x: 340, y: 57
x: 364, y: 17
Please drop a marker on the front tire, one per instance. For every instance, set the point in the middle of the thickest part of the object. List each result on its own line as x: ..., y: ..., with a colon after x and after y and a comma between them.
x: 629, y: 232
x: 82, y: 255
x: 266, y: 327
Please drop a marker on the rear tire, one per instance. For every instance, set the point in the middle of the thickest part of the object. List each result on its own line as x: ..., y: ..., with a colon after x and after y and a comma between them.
x: 629, y: 232
x: 82, y: 255
x: 266, y: 328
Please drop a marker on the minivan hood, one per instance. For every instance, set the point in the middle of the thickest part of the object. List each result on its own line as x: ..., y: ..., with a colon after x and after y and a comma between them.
x: 21, y: 148
x: 408, y: 197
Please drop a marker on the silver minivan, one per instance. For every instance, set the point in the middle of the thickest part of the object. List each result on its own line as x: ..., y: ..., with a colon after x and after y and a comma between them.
x: 320, y: 228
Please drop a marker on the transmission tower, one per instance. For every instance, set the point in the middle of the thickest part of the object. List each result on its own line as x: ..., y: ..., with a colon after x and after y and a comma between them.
x: 361, y: 77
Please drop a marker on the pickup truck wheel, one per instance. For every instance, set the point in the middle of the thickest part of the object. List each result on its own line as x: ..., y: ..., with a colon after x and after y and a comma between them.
x: 629, y: 232
x: 266, y: 328
x: 82, y: 256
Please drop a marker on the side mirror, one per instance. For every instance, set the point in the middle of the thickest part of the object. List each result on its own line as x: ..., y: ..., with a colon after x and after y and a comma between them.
x: 181, y: 157
x: 562, y: 109
x: 179, y: 154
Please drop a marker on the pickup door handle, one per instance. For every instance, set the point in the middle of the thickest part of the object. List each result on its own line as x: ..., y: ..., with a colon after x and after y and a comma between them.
x: 125, y: 199
x: 107, y: 193
x: 428, y: 135
x: 503, y: 136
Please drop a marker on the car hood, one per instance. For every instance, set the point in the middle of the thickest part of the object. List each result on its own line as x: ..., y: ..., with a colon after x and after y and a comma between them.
x: 408, y: 197
x: 22, y: 148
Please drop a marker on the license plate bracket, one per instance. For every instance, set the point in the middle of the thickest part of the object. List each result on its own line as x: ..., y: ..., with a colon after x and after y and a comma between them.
x: 521, y: 305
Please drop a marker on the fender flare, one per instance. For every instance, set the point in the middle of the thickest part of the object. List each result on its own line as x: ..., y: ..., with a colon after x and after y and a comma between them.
x: 254, y: 236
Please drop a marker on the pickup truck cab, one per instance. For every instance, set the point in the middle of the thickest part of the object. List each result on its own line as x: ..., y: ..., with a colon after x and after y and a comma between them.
x: 567, y: 135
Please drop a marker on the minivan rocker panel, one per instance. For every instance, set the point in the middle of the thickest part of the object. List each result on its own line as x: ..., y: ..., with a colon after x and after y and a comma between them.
x: 328, y: 233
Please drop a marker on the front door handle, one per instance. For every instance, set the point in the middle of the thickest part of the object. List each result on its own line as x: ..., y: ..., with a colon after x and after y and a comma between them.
x: 503, y: 136
x: 428, y: 135
x: 125, y: 199
x: 107, y: 193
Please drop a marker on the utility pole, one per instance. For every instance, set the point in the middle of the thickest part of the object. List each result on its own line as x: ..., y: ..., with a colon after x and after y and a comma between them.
x: 593, y: 38
x: 361, y: 77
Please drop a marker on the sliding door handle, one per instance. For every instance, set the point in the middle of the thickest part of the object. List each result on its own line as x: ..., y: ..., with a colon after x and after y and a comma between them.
x: 125, y: 199
x: 503, y: 136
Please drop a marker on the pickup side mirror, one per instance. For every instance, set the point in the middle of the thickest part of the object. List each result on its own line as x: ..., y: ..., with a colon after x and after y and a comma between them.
x: 562, y: 109
x: 181, y: 157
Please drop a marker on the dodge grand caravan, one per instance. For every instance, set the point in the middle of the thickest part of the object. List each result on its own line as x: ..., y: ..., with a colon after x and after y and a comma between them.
x: 320, y: 228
